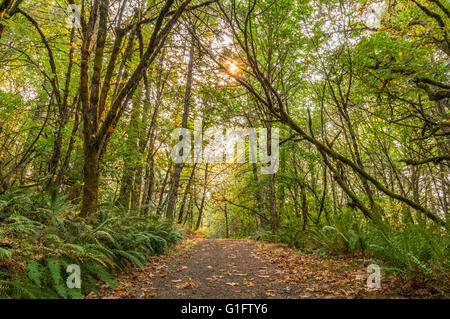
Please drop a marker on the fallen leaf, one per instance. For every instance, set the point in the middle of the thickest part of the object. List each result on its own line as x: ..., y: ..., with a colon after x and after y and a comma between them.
x: 189, y: 284
x: 232, y: 284
x: 287, y: 279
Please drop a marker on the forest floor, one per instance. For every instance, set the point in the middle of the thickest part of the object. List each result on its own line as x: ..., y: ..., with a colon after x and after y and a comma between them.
x: 216, y: 268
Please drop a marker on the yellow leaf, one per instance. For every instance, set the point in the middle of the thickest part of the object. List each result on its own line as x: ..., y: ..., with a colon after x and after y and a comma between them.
x: 232, y: 284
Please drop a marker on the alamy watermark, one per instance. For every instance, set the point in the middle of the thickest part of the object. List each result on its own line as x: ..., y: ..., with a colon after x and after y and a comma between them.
x: 227, y: 146
x: 74, y: 279
x: 374, y: 280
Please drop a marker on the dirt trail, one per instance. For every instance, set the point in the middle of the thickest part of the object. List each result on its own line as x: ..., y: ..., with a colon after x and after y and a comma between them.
x: 221, y: 269
x: 211, y: 268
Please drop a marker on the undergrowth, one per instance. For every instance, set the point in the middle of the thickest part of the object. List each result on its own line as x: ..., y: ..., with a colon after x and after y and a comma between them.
x: 417, y: 251
x: 41, y: 235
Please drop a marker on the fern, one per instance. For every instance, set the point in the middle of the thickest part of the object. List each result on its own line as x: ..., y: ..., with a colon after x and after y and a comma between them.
x: 58, y: 283
x: 33, y: 272
x: 5, y: 253
x: 101, y: 272
x: 44, y: 226
x: 130, y: 257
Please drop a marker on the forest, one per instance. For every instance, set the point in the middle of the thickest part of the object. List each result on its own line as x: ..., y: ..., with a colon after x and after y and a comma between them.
x: 311, y: 135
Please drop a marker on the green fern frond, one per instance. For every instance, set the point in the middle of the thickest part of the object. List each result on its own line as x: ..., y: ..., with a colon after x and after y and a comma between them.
x: 54, y: 266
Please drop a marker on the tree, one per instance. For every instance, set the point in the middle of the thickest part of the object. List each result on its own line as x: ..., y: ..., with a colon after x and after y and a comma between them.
x: 94, y: 96
x: 173, y: 191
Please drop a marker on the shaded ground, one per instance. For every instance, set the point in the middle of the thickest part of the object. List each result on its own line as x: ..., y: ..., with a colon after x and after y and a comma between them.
x: 211, y: 268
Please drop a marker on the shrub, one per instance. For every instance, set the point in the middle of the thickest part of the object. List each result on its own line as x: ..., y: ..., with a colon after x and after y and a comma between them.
x: 418, y: 251
x: 41, y: 235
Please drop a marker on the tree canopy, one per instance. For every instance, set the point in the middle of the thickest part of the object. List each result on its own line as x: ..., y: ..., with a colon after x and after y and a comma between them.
x: 92, y: 91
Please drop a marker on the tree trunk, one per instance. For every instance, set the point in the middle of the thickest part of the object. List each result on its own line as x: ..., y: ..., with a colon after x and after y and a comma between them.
x: 258, y: 196
x: 227, y: 231
x: 173, y: 192
x: 91, y: 177
x: 272, y: 199
x: 202, y: 205
x: 163, y: 189
x: 186, y: 192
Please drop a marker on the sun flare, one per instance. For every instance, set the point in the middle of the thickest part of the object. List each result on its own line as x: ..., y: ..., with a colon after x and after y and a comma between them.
x: 232, y: 68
